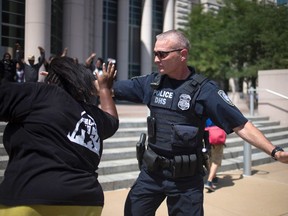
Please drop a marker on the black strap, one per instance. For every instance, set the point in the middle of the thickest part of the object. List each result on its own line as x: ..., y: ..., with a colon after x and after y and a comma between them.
x: 195, y: 81
x: 193, y: 86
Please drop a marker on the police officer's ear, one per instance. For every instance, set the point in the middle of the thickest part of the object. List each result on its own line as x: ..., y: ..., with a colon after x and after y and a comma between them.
x: 184, y: 54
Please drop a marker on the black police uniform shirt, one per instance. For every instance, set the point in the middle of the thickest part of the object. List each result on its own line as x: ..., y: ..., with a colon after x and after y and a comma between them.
x: 54, y: 145
x: 210, y: 102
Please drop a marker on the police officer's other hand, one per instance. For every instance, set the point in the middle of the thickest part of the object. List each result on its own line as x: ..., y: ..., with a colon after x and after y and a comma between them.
x: 105, y: 80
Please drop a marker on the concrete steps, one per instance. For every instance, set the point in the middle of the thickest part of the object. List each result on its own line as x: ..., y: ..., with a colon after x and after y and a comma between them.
x: 119, y: 168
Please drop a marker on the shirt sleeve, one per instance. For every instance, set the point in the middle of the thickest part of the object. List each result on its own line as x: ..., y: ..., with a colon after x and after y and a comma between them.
x: 112, y: 125
x: 106, y: 123
x: 136, y: 90
x: 213, y: 103
x: 15, y: 101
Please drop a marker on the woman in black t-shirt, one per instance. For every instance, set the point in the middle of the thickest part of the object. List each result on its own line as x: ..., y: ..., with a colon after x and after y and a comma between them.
x: 54, y: 139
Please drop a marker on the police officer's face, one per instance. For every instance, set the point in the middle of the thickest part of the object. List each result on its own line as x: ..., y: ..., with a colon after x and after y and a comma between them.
x: 167, y: 57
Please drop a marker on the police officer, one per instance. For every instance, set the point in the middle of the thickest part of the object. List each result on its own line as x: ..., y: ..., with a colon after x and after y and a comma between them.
x: 180, y: 101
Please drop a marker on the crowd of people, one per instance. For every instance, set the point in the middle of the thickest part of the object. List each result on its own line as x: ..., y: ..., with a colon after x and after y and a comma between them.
x: 55, y: 132
x: 18, y: 70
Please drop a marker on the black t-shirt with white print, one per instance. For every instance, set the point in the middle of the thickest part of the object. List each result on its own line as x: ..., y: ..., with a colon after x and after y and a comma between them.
x: 54, y: 145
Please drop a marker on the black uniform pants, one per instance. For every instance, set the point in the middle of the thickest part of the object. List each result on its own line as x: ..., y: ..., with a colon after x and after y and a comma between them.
x: 184, y: 196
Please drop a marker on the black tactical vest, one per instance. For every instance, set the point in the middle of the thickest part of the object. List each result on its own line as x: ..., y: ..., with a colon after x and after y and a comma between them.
x: 173, y: 126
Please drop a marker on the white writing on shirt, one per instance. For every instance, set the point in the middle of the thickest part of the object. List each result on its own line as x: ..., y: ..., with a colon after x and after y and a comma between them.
x: 86, y: 133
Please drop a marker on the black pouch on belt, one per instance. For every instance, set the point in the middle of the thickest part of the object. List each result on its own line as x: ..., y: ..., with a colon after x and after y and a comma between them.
x: 184, y: 165
x: 150, y: 160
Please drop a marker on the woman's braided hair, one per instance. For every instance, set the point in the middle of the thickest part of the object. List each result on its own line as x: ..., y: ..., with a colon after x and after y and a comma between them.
x: 73, y: 77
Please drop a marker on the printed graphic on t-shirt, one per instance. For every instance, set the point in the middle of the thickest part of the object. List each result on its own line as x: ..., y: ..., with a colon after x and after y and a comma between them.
x: 86, y: 134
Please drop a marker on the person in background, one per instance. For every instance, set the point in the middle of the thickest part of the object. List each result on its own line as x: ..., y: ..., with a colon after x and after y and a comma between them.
x: 31, y: 70
x: 47, y: 63
x: 97, y: 67
x: 180, y: 101
x: 9, y: 66
x: 7, y: 69
x: 20, y: 76
x: 216, y: 156
x: 94, y: 68
x: 54, y: 140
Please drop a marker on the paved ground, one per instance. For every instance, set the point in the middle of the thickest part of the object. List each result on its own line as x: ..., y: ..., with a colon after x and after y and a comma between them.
x: 264, y: 193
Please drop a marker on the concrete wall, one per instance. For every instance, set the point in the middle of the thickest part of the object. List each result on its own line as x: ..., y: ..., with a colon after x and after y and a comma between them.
x: 273, y: 85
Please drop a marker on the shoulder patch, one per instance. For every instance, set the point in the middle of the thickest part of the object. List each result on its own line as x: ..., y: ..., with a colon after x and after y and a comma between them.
x: 225, y: 97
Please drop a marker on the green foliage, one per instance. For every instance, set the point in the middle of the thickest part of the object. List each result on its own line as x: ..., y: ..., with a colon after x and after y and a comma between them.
x: 239, y: 39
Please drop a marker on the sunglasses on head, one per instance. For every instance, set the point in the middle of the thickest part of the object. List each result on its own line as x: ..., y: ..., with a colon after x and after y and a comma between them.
x: 164, y: 54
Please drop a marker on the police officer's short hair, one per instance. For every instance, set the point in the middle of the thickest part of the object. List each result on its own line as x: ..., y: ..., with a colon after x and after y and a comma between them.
x: 182, y: 41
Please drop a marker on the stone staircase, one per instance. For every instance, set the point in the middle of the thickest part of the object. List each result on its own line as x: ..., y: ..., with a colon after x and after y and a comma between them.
x: 119, y: 168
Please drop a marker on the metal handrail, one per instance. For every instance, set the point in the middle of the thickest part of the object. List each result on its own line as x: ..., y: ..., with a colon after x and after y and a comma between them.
x: 275, y: 93
x: 247, y: 147
x: 251, y: 93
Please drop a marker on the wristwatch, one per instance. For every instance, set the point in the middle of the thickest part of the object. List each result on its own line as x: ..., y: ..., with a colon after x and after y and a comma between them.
x: 276, y: 149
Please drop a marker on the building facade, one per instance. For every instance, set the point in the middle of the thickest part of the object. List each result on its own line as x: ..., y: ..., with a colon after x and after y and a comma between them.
x: 123, y: 30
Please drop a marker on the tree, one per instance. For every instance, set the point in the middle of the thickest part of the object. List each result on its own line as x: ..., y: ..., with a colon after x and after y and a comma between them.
x: 239, y: 39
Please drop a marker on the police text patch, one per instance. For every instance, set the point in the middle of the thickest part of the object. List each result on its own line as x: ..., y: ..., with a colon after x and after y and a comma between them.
x: 162, y: 98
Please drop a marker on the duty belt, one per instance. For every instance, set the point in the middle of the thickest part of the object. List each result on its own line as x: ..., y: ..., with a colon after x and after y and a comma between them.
x: 164, y: 162
x: 179, y: 166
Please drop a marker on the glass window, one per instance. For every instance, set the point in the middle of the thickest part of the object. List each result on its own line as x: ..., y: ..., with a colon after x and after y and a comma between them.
x: 134, y: 70
x: 110, y: 29
x: 157, y: 23
x: 282, y: 2
x: 13, y: 6
x: 13, y: 20
x: 135, y: 13
x: 157, y: 15
x: 56, y: 27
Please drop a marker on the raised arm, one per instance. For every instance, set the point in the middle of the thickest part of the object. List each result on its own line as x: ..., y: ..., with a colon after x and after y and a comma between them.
x: 41, y: 59
x: 89, y: 60
x: 65, y: 51
x: 105, y: 83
